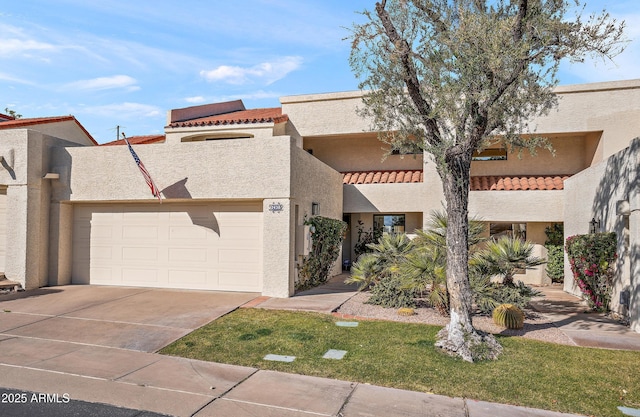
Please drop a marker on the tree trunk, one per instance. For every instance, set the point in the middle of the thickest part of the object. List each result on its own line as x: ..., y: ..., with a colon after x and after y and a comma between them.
x: 456, y: 193
x: 459, y: 337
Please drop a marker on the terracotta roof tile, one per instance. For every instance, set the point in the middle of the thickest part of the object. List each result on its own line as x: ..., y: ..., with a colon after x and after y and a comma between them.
x: 20, y: 123
x: 513, y: 183
x: 267, y: 115
x: 382, y: 177
x: 138, y: 140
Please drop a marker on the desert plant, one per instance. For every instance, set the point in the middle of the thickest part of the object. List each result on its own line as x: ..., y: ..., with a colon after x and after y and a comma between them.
x: 424, y: 271
x: 392, y: 293
x: 373, y: 267
x: 509, y: 316
x: 424, y: 268
x: 406, y: 311
x: 488, y: 295
x: 505, y: 256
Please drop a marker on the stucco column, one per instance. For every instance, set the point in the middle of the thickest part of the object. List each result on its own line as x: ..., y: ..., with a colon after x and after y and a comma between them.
x: 634, y: 235
x: 634, y: 257
x: 60, y: 243
x: 276, y: 252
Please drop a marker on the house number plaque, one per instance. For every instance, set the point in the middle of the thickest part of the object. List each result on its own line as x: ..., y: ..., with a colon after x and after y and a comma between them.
x: 276, y: 207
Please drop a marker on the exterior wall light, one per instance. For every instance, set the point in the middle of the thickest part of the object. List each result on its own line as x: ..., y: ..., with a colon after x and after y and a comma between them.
x: 594, y: 225
x: 315, y: 209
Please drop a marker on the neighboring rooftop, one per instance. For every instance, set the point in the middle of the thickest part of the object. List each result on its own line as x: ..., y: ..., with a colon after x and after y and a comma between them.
x: 138, y: 140
x: 227, y: 113
x: 13, y: 123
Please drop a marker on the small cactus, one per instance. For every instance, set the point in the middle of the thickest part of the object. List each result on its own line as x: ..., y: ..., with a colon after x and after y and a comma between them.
x: 509, y: 316
x: 406, y: 311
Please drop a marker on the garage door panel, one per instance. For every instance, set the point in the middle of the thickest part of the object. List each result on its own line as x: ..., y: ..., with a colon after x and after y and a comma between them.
x: 206, y: 246
x: 188, y: 278
x: 188, y: 255
x: 188, y: 232
x: 142, y: 232
x: 140, y: 254
x: 238, y: 281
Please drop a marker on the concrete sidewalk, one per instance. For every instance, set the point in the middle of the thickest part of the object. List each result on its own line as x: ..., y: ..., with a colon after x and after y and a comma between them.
x: 174, y: 386
x: 182, y: 387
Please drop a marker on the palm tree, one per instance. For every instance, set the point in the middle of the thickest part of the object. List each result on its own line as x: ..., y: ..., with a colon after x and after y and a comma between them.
x: 371, y: 268
x: 503, y: 257
x: 424, y: 269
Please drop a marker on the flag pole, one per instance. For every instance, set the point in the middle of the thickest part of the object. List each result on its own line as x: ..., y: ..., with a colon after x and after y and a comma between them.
x: 147, y: 177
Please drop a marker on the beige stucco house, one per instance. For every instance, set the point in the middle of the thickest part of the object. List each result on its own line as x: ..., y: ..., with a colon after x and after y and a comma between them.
x: 237, y: 185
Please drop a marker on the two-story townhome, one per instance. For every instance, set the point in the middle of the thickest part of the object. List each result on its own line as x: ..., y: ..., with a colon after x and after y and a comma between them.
x: 238, y: 184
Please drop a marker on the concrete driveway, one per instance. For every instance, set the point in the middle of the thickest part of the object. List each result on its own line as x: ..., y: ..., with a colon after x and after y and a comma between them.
x: 141, y: 319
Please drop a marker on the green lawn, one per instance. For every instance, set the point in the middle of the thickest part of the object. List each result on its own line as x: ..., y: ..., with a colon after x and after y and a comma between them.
x: 529, y: 373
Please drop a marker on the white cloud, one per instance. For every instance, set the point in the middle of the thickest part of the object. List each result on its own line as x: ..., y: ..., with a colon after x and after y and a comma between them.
x: 10, y: 47
x: 266, y: 72
x: 11, y: 78
x: 196, y: 99
x: 105, y: 83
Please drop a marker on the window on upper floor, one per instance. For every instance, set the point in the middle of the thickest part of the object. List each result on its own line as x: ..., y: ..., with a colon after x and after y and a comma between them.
x: 490, y: 154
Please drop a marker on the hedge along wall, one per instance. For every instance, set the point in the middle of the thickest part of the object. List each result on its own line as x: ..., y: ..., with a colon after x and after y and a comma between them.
x: 592, y: 260
x: 327, y: 235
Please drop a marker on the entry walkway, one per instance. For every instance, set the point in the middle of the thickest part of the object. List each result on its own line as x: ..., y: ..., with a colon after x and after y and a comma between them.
x: 570, y: 314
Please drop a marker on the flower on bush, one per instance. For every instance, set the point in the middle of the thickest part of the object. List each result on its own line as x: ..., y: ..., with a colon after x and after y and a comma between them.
x: 591, y: 258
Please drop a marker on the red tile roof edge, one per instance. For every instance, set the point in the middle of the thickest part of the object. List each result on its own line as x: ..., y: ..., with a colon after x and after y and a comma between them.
x: 138, y: 140
x: 477, y: 183
x: 263, y: 115
x: 518, y: 182
x: 383, y: 177
x: 17, y: 123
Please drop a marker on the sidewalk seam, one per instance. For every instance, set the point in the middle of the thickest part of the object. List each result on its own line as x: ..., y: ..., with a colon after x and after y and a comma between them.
x: 346, y: 400
x: 224, y: 393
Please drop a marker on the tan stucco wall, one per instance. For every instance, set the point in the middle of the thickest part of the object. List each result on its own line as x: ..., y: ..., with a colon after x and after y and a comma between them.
x: 325, y: 114
x: 570, y: 157
x: 28, y: 201
x: 230, y: 169
x: 359, y: 153
x: 611, y: 107
x: 255, y: 130
x: 517, y: 206
x: 273, y: 170
x: 594, y: 193
x: 313, y: 181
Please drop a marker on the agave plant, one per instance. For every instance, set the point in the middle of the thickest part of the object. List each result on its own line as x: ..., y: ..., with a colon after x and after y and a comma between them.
x: 503, y: 257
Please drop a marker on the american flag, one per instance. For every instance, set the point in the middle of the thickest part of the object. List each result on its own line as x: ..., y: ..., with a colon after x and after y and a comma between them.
x: 145, y: 173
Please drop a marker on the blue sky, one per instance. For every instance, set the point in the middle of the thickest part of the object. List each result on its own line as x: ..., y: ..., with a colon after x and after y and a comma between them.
x: 123, y: 62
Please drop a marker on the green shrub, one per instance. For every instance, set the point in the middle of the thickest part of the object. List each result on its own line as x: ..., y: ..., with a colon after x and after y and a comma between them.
x: 392, y: 293
x: 326, y: 243
x: 555, y: 263
x: 509, y: 316
x: 488, y: 295
x: 555, y: 252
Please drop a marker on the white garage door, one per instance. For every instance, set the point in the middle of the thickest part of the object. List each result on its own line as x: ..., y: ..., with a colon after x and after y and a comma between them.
x: 214, y: 246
